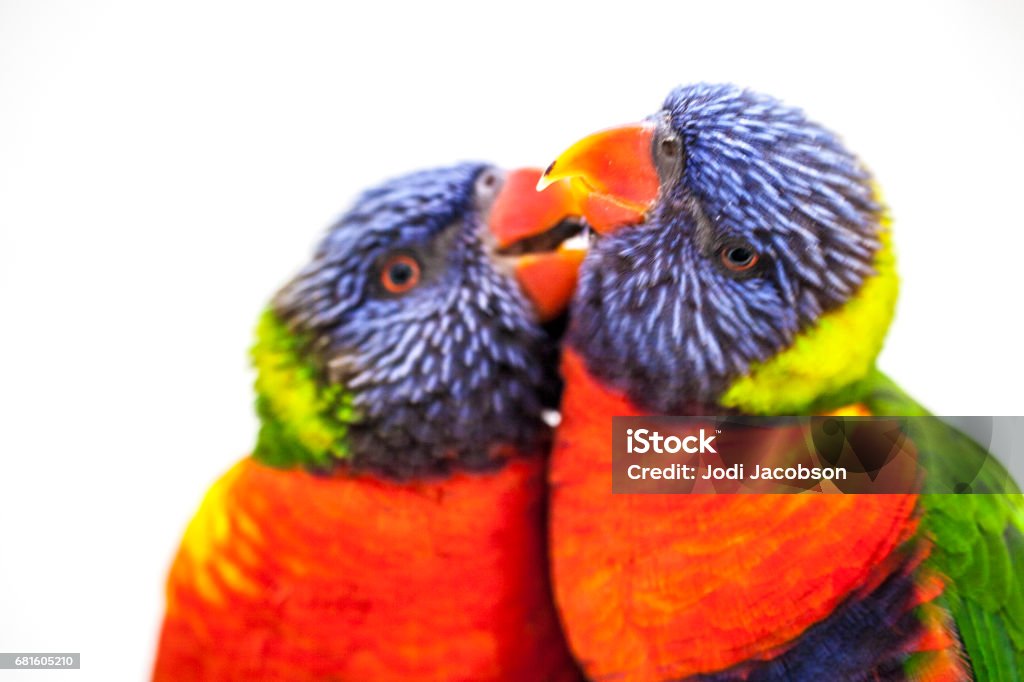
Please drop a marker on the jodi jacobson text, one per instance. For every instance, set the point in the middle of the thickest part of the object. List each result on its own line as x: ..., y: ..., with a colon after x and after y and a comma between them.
x: 736, y: 472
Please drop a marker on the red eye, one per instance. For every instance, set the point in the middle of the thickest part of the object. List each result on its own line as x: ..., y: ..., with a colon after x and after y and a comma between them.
x: 400, y: 274
x: 738, y: 257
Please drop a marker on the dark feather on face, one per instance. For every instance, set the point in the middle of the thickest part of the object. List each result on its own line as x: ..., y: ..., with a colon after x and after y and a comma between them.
x: 405, y: 305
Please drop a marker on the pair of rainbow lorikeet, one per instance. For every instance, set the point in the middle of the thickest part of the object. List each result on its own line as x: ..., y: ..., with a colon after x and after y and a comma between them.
x: 407, y: 512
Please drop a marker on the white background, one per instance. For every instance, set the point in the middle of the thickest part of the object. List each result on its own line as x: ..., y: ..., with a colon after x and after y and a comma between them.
x: 164, y: 168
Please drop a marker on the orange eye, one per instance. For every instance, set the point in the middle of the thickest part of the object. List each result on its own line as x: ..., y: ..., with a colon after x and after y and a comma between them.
x: 400, y: 274
x: 738, y: 257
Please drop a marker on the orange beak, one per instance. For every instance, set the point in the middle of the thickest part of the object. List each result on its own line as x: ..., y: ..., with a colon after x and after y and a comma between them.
x: 520, y: 213
x: 611, y: 175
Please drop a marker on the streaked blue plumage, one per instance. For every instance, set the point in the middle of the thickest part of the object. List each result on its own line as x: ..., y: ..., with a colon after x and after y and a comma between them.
x: 756, y: 171
x: 462, y: 349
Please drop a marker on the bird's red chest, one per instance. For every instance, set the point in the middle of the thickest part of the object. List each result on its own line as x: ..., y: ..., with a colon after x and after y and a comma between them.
x: 665, y: 586
x: 283, y: 575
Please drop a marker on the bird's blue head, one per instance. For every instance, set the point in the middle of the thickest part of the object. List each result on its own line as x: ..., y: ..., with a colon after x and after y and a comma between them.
x: 411, y: 343
x: 735, y: 234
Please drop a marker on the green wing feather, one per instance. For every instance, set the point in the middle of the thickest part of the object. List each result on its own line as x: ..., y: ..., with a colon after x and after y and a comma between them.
x: 979, y: 538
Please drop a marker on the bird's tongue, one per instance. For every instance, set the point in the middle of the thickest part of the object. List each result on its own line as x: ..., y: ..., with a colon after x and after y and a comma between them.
x: 520, y: 216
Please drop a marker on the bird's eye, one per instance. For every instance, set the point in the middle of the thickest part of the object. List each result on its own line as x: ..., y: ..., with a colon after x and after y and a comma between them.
x: 738, y: 257
x: 400, y: 274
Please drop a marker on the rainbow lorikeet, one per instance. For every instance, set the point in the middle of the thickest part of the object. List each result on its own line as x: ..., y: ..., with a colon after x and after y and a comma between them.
x: 390, y: 523
x: 743, y: 265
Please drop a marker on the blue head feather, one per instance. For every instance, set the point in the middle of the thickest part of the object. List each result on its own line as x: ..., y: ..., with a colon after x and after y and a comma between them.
x: 443, y: 372
x: 657, y: 312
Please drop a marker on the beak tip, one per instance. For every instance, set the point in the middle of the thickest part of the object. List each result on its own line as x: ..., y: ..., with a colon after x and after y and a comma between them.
x: 546, y: 180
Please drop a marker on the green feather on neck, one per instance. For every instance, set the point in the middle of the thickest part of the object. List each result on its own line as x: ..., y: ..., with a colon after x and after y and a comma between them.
x: 304, y: 420
x: 837, y: 352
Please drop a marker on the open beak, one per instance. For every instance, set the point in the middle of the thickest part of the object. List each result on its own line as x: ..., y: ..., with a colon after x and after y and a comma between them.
x: 539, y: 232
x: 611, y: 176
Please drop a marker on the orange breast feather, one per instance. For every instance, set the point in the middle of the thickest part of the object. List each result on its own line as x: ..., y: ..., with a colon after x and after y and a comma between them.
x: 663, y: 586
x: 283, y: 575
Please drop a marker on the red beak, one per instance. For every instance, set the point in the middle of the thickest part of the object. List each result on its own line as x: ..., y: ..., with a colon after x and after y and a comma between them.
x: 520, y: 212
x: 611, y: 175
